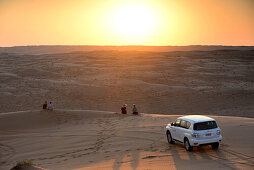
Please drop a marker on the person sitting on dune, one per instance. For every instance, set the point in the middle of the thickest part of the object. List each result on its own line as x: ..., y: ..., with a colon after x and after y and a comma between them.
x: 50, y: 106
x: 134, y: 110
x: 45, y: 105
x: 124, y: 109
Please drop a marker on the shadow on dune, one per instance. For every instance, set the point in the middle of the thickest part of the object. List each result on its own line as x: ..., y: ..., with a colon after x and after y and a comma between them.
x: 201, y: 157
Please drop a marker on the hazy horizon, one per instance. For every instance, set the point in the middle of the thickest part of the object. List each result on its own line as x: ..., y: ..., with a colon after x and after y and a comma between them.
x: 61, y: 45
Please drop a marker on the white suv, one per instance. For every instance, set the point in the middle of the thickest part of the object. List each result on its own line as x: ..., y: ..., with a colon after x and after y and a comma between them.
x: 194, y: 130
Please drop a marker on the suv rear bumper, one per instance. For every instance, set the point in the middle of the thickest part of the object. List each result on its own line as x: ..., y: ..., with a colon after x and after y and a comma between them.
x: 197, y: 142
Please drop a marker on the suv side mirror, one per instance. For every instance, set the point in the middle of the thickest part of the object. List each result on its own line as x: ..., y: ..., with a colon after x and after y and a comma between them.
x: 172, y: 124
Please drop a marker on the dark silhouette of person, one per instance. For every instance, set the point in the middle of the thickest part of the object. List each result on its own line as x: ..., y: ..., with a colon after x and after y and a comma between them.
x: 45, y: 105
x: 124, y: 109
x: 134, y: 110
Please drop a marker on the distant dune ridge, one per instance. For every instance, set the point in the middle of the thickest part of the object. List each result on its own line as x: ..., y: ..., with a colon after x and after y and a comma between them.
x: 52, y: 49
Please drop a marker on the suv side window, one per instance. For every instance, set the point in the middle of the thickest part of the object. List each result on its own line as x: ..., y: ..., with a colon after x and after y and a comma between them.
x: 183, y: 124
x: 188, y: 125
x: 177, y: 122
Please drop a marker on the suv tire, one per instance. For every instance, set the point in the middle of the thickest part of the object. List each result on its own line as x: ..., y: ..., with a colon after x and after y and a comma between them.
x: 215, y: 145
x: 169, y: 137
x: 187, y: 145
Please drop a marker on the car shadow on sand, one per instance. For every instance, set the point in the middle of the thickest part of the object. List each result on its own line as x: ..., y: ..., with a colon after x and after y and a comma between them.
x: 205, y: 156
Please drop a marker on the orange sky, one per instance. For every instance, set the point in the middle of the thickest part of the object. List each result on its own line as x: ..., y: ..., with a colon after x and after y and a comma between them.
x: 126, y: 22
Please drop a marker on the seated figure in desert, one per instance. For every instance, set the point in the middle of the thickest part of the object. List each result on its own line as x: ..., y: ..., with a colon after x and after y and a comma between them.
x: 50, y: 106
x: 134, y: 110
x: 45, y: 105
x: 124, y: 109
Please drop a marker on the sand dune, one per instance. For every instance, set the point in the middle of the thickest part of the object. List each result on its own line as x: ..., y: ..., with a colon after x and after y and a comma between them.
x: 213, y: 80
x: 85, y: 139
x: 186, y: 82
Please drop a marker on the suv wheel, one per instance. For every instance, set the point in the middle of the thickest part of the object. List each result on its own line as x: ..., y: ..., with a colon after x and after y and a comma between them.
x: 169, y: 137
x: 215, y: 145
x: 187, y: 145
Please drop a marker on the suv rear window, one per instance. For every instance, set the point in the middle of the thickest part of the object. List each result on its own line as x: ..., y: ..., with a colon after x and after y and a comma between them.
x: 205, y: 125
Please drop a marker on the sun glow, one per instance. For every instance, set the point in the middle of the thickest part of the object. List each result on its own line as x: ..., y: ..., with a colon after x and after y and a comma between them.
x: 126, y: 22
x: 134, y: 22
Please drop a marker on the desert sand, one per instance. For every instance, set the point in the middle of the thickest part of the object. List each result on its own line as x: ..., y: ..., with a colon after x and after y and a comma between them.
x: 87, y: 87
x: 67, y: 139
x: 218, y: 82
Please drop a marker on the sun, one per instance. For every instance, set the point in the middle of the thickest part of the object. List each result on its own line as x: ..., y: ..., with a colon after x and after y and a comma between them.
x: 134, y: 21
